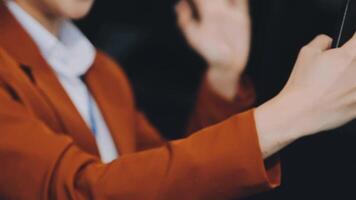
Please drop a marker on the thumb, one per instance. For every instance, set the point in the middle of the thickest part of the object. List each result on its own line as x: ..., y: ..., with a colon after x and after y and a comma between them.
x: 321, y: 43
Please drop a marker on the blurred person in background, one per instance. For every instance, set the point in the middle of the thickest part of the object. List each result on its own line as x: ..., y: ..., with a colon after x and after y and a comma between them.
x: 71, y: 130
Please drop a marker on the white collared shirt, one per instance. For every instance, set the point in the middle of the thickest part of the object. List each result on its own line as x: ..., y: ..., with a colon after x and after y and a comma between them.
x: 70, y: 56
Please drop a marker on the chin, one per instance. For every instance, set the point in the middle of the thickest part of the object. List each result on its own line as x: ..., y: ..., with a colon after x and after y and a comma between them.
x: 79, y: 11
x: 77, y: 15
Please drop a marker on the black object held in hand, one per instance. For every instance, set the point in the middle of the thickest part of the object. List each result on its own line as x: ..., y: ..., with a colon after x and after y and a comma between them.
x: 346, y: 26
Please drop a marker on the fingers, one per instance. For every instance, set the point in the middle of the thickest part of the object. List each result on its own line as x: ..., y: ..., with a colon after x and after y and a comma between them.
x: 186, y: 21
x: 184, y: 15
x: 321, y: 43
x: 203, y: 6
x: 194, y: 9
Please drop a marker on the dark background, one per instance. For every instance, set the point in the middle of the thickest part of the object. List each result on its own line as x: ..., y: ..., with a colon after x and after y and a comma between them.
x: 144, y: 38
x: 165, y: 72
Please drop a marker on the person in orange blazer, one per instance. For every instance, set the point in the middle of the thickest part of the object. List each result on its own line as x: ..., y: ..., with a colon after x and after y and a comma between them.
x: 70, y: 128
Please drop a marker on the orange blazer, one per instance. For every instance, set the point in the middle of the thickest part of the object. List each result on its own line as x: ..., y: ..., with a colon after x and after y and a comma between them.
x: 48, y: 152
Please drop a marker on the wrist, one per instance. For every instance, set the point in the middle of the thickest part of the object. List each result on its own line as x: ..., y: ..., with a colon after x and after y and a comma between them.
x: 279, y: 122
x: 224, y: 82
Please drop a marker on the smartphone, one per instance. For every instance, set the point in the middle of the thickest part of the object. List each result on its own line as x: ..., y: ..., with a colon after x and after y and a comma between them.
x: 346, y: 26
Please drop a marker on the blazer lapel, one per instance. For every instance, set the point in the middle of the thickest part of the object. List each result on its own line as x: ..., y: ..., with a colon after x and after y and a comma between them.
x: 116, y: 107
x: 20, y: 46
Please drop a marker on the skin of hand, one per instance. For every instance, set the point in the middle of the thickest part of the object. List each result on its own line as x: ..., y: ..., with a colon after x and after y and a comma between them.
x: 320, y: 95
x: 222, y: 35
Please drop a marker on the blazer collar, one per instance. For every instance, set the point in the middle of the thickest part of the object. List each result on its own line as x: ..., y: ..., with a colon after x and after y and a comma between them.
x: 16, y: 41
x: 113, y: 99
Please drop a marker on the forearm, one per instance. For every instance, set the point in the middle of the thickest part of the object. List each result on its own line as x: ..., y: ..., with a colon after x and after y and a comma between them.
x: 279, y: 124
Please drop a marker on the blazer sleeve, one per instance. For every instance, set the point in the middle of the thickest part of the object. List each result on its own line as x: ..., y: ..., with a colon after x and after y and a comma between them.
x: 220, y: 162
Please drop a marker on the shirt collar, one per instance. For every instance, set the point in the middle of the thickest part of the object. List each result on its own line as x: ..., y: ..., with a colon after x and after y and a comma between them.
x: 70, y: 55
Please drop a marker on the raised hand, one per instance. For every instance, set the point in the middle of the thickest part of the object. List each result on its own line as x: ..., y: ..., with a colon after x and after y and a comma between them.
x: 221, y: 35
x: 320, y: 95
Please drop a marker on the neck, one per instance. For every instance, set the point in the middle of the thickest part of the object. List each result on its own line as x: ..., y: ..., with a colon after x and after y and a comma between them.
x: 49, y: 22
